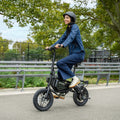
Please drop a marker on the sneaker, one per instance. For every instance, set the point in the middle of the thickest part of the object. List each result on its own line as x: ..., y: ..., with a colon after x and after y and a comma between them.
x: 61, y: 96
x: 75, y: 82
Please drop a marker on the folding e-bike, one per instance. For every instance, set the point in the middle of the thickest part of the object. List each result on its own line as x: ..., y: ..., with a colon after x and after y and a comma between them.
x: 43, y: 98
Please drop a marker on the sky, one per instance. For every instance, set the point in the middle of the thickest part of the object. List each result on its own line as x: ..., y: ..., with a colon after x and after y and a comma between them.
x: 17, y: 33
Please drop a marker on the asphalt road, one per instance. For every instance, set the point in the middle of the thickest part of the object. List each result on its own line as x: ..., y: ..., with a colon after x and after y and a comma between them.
x: 103, y: 105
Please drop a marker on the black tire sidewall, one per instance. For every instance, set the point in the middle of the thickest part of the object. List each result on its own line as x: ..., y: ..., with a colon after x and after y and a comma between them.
x: 36, y: 103
x: 75, y: 99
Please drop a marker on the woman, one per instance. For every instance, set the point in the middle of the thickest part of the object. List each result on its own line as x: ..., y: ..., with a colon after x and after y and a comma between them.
x: 72, y: 39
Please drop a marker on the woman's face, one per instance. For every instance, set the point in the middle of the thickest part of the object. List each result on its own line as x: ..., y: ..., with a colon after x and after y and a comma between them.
x: 67, y: 19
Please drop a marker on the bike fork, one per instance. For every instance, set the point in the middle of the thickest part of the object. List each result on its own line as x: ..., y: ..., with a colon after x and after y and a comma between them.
x: 48, y: 90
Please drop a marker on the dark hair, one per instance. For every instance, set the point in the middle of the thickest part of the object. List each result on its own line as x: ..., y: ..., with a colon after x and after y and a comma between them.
x: 72, y: 19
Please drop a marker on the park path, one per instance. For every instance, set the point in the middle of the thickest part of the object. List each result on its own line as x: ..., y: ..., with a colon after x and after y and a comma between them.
x: 103, y: 105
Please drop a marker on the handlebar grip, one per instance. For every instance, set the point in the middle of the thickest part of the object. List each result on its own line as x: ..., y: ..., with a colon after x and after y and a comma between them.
x: 50, y: 48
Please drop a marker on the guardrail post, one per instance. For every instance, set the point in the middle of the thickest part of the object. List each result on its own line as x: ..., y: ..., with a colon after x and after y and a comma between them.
x: 82, y: 76
x: 20, y: 78
x: 108, y: 77
x: 23, y: 80
x: 17, y: 79
x: 119, y: 77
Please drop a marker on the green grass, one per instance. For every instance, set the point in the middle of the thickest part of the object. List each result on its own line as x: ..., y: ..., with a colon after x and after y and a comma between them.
x: 93, y: 80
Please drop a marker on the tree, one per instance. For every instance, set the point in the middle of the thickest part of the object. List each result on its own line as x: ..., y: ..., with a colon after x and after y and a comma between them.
x: 110, y: 28
x: 98, y: 25
x: 104, y: 20
x: 4, y: 43
x: 24, y: 11
x: 10, y: 55
x: 115, y: 49
x: 23, y: 46
x: 37, y: 54
x: 43, y: 16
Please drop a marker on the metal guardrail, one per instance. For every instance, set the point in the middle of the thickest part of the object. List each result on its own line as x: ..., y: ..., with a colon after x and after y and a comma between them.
x: 100, y: 69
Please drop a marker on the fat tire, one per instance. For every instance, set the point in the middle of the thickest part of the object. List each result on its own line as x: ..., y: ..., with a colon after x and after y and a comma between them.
x: 76, y: 98
x: 35, y: 100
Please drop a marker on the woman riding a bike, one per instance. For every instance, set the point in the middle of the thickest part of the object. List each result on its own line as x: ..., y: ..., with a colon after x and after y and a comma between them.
x: 72, y: 39
x: 43, y: 98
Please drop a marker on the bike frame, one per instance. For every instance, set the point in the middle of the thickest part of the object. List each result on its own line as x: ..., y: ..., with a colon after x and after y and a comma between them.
x: 52, y: 73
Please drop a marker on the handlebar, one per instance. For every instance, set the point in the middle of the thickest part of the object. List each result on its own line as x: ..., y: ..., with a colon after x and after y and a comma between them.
x: 51, y: 48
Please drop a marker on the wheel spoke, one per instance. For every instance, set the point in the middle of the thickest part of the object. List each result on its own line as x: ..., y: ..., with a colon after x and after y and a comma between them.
x: 39, y: 99
x: 81, y: 98
x: 42, y: 101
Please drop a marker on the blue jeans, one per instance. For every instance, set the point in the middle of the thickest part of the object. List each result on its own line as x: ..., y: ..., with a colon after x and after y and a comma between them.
x: 65, y: 65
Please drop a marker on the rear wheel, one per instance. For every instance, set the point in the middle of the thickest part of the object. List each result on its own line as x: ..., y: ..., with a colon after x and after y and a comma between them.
x: 41, y: 101
x: 81, y: 98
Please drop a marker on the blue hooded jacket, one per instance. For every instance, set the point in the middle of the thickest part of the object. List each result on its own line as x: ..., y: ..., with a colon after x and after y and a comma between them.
x: 73, y: 40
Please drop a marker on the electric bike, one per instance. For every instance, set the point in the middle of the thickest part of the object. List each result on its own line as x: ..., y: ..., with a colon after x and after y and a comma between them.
x: 43, y: 98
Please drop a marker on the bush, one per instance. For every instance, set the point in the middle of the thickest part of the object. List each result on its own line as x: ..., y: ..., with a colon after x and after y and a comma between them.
x: 10, y: 55
x: 29, y: 82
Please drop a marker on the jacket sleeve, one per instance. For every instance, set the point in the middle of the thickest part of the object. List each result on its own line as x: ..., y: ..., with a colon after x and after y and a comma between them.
x: 61, y: 40
x: 71, y: 36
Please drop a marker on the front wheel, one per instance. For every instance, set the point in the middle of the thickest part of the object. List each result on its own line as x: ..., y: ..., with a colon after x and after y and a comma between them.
x: 81, y: 98
x: 41, y: 101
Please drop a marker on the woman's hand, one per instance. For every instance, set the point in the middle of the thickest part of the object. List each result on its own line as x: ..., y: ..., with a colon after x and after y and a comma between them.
x: 58, y: 45
x: 47, y: 48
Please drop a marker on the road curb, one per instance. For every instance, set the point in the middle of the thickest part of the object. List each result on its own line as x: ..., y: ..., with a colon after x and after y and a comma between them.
x: 12, y: 91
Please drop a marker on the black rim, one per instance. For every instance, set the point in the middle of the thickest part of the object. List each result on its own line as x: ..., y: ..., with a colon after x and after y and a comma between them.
x: 82, y: 97
x: 42, y: 100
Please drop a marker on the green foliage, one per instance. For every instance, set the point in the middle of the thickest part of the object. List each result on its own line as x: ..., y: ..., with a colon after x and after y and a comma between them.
x: 98, y: 25
x: 36, y: 53
x: 7, y: 82
x: 10, y: 55
x: 41, y: 82
x: 115, y: 49
x: 101, y: 22
x: 21, y: 47
x: 4, y: 43
x: 29, y: 82
x: 44, y: 17
x: 88, y: 52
